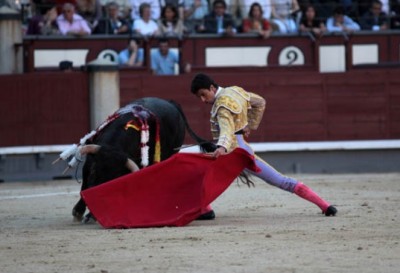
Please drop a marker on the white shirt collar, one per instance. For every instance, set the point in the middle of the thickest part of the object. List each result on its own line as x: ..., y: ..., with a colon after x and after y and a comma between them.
x: 218, y: 90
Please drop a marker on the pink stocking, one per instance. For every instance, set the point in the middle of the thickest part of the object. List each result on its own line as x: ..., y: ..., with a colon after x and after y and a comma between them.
x: 305, y: 192
x: 206, y: 209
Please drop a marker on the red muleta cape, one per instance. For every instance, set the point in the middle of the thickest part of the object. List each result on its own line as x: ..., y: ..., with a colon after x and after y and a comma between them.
x: 169, y: 193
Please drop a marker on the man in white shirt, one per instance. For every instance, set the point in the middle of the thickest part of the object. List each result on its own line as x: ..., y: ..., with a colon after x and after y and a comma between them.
x: 144, y: 25
x: 70, y: 23
x: 155, y: 8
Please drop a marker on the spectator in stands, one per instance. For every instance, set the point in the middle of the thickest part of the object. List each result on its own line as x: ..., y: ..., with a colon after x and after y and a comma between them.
x: 132, y: 55
x: 112, y: 24
x: 154, y: 8
x: 310, y: 23
x: 44, y: 24
x: 363, y: 6
x: 164, y: 60
x: 194, y: 12
x: 219, y: 21
x: 375, y: 18
x: 245, y: 6
x: 256, y: 23
x: 70, y: 23
x: 233, y: 7
x: 66, y: 66
x: 178, y: 4
x: 124, y: 6
x: 90, y: 10
x: 170, y: 24
x: 340, y: 22
x: 284, y: 13
x: 145, y: 25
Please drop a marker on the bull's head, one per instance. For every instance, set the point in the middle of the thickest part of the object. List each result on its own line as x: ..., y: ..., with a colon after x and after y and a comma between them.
x: 105, y: 163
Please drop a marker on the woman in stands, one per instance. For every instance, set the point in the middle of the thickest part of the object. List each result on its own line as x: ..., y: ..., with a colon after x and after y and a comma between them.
x: 256, y: 23
x: 310, y: 22
x: 169, y: 23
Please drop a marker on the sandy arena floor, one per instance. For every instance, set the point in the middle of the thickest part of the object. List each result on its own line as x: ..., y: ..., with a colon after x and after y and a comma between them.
x: 261, y: 229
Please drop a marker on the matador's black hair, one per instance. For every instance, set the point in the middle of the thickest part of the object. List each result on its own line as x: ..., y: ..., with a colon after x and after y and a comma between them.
x: 202, y: 81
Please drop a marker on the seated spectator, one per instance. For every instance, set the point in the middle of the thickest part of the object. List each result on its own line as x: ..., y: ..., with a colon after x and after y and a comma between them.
x: 145, y: 25
x: 282, y: 15
x: 363, y: 6
x: 256, y: 22
x: 164, y: 60
x: 245, y: 6
x: 112, y: 24
x: 233, y: 7
x: 375, y: 18
x: 66, y: 66
x: 124, y: 7
x: 178, y: 4
x: 194, y: 12
x: 169, y: 24
x: 132, y: 55
x: 340, y: 22
x: 70, y: 23
x: 44, y: 24
x: 218, y: 21
x: 90, y: 10
x: 310, y: 23
x: 154, y: 8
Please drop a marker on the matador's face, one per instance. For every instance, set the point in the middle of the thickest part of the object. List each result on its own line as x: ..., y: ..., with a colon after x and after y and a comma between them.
x: 207, y: 95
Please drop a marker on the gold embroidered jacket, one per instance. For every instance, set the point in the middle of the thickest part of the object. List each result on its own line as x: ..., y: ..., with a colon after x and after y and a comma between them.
x: 233, y: 110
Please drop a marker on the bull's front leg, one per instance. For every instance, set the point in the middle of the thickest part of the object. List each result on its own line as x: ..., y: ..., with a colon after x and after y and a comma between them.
x: 79, y: 210
x: 80, y: 207
x: 88, y: 219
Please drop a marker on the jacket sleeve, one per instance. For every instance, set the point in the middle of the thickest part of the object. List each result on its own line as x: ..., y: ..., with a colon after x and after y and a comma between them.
x: 255, y: 113
x: 226, y: 128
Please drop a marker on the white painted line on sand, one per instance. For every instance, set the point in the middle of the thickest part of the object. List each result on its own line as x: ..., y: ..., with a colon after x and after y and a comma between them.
x: 37, y: 195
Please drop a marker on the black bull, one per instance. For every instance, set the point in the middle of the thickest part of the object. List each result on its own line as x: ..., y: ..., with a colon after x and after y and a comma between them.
x: 120, y: 140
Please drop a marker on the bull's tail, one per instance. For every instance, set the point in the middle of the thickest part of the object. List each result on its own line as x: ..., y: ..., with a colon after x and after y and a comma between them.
x: 205, y: 145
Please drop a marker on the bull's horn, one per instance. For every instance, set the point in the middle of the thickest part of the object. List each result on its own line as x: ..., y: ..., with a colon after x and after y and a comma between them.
x: 131, y: 165
x: 89, y: 149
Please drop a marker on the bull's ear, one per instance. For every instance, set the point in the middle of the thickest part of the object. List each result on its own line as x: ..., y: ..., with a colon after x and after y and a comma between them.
x: 131, y: 165
x: 89, y: 149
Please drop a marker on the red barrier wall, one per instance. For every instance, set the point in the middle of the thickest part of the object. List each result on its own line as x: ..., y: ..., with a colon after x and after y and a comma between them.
x: 53, y: 108
x: 43, y: 108
x: 303, y: 106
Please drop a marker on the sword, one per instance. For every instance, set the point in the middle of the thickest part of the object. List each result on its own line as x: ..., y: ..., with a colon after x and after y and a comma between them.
x: 185, y: 146
x: 191, y: 145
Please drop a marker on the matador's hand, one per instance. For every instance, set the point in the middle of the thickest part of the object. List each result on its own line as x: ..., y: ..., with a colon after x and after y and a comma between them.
x: 219, y: 151
x: 246, y: 131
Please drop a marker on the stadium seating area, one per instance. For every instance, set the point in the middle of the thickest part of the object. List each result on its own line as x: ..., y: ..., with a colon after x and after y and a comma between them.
x: 44, y: 17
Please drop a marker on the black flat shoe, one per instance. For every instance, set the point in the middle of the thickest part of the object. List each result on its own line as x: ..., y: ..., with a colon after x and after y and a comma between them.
x: 207, y: 216
x: 331, y: 211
